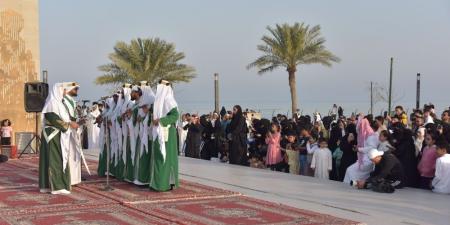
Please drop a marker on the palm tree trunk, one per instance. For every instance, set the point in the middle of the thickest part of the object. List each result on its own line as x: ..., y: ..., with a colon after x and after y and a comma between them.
x: 293, y: 87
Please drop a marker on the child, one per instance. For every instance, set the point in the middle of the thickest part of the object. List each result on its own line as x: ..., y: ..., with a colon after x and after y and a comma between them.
x: 427, y: 164
x: 337, y: 156
x: 274, y: 156
x: 441, y: 181
x: 311, y: 147
x: 6, y: 132
x: 302, y: 151
x: 322, y: 160
x: 385, y: 142
x: 292, y: 153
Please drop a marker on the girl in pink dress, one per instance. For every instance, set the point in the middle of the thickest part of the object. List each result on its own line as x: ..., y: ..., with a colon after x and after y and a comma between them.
x: 273, y: 138
x: 427, y: 164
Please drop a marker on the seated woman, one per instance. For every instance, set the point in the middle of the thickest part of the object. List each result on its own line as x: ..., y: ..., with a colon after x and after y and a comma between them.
x: 367, y: 140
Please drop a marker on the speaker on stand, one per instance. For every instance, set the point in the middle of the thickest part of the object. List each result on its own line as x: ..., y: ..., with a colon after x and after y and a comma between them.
x: 35, y: 94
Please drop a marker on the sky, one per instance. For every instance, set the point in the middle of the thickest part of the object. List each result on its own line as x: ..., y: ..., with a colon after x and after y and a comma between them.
x: 221, y: 37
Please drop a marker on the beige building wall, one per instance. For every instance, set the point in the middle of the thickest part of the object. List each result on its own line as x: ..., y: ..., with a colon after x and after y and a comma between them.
x: 19, y: 59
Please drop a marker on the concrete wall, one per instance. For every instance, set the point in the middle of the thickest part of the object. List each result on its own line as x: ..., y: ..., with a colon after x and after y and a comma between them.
x: 19, y: 58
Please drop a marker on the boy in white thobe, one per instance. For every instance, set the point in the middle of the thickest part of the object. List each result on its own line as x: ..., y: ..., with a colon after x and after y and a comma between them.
x: 441, y: 181
x: 322, y: 160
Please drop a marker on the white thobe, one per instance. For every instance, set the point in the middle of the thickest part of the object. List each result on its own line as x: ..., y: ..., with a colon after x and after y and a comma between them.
x: 322, y: 163
x: 75, y: 157
x: 418, y: 139
x: 441, y: 181
x: 93, y: 130
x: 183, y: 134
x: 74, y: 147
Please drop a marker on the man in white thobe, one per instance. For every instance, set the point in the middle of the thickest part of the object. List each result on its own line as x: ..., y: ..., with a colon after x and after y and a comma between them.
x: 93, y: 129
x: 182, y: 133
x: 71, y: 91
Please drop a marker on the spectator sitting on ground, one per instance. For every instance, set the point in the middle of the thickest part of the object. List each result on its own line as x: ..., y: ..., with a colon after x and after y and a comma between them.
x: 388, y: 174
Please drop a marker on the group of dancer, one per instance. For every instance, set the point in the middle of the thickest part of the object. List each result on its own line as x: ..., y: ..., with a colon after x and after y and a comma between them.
x: 137, y: 132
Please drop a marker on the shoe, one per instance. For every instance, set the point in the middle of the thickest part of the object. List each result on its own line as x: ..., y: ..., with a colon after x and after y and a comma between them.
x: 61, y: 192
x: 45, y: 190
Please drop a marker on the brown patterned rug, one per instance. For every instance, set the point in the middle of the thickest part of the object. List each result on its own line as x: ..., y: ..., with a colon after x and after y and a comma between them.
x: 192, y: 203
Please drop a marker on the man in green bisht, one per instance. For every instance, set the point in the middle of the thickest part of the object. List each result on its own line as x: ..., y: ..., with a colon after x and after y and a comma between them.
x: 116, y: 137
x: 164, y: 158
x: 131, y: 166
x: 144, y: 147
x: 54, y: 171
x: 122, y: 131
x: 104, y: 137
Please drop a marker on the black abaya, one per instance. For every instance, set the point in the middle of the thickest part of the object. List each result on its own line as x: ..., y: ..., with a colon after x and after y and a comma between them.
x: 193, y: 140
x: 238, y: 143
x: 348, y: 156
x: 405, y: 151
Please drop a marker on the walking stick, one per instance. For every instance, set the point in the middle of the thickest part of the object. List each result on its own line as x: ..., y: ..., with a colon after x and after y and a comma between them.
x: 107, y: 186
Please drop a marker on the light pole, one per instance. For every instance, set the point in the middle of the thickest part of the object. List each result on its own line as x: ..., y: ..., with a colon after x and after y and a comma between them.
x: 45, y: 76
x: 418, y: 92
x: 390, y: 87
x: 371, y: 97
x: 216, y: 92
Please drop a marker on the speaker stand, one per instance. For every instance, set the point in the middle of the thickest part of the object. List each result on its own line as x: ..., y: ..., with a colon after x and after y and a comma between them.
x: 35, y: 137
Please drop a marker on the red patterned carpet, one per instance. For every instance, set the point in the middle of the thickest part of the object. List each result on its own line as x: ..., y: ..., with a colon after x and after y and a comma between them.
x: 192, y: 203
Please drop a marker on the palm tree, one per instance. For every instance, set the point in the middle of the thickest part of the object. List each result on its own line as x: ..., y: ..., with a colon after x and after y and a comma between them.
x: 145, y: 59
x: 289, y: 46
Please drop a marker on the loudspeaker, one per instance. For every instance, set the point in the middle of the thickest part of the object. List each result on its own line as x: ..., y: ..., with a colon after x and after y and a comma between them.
x: 35, y: 94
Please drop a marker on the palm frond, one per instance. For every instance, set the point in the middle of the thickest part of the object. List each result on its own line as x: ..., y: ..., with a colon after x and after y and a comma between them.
x: 145, y: 59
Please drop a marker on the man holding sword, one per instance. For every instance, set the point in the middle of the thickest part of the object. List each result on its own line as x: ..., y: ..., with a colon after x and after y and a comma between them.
x: 75, y: 149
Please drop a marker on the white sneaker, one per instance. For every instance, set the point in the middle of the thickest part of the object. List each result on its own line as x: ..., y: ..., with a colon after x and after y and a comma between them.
x: 61, y: 192
x: 65, y: 192
x: 44, y: 190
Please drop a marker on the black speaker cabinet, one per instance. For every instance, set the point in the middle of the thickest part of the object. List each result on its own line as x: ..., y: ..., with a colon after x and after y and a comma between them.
x: 35, y: 95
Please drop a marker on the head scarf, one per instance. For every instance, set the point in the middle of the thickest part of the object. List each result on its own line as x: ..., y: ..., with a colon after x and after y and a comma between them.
x: 236, y: 118
x: 68, y: 86
x: 364, y: 131
x: 147, y: 98
x: 54, y: 103
x: 164, y: 102
x: 95, y: 112
x: 127, y: 98
x: 112, y: 105
x: 118, y: 109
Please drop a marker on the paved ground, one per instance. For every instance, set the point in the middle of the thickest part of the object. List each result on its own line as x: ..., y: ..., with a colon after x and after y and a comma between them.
x: 407, y: 206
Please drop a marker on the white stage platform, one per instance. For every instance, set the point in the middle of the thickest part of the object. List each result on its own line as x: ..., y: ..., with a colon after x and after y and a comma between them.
x: 406, y: 206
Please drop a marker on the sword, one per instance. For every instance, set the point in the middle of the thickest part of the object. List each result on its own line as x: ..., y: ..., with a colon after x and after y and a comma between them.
x: 80, y: 151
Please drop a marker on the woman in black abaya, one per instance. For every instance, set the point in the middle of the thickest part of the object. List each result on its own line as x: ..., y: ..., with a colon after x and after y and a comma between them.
x: 405, y: 151
x: 194, y: 138
x: 349, y: 155
x: 238, y: 137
